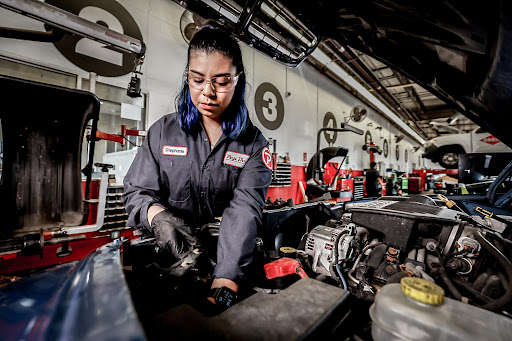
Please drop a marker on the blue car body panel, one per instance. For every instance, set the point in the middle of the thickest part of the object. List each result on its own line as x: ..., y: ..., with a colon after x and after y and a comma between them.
x: 86, y: 300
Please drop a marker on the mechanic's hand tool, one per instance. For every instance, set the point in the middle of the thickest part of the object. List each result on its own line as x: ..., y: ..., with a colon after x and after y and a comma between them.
x: 173, y: 234
x: 283, y: 267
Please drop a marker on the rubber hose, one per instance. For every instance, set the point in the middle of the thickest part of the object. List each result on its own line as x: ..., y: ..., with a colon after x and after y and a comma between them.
x: 335, y: 261
x: 477, y: 294
x: 507, y: 297
x: 503, y: 280
x: 449, y: 284
x: 336, y: 242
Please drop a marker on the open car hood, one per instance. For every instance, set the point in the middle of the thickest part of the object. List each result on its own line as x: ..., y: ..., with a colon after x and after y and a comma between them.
x: 460, y: 51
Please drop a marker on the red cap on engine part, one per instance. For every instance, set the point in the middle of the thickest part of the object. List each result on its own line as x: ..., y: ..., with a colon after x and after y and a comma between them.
x: 283, y: 267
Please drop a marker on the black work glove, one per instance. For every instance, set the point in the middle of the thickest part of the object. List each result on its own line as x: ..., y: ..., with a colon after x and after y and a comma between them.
x: 173, y: 234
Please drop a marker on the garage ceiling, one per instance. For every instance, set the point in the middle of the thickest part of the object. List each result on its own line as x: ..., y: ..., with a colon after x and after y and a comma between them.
x: 415, y: 105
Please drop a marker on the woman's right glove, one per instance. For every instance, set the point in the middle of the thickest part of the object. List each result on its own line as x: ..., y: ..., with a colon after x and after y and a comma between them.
x: 173, y: 234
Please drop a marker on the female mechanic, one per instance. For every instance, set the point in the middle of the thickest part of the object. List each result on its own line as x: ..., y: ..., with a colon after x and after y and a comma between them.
x: 205, y: 161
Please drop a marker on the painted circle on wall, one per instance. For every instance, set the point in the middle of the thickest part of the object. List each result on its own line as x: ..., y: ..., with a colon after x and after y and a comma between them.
x: 330, y: 122
x: 385, y: 148
x: 91, y: 55
x: 269, y: 106
x: 397, y: 153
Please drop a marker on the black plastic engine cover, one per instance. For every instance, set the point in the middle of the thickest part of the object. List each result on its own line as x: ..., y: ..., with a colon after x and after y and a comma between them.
x: 398, y: 220
x: 308, y: 309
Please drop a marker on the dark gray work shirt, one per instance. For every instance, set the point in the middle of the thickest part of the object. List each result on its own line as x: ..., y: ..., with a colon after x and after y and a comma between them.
x: 197, y: 183
x: 372, y: 184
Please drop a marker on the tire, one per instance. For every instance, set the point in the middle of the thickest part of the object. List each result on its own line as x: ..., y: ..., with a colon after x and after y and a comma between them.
x: 449, y: 157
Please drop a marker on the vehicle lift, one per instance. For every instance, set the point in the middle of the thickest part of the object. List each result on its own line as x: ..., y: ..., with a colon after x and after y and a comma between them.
x: 62, y: 22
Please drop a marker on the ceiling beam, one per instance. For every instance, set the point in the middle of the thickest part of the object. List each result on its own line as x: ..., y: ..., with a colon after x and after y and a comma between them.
x: 437, y: 112
x: 400, y: 86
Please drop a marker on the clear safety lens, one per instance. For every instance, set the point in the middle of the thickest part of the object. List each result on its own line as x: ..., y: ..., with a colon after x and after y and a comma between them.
x: 219, y: 84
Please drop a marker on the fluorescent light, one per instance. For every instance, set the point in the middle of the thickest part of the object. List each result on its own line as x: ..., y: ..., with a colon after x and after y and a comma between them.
x: 285, y: 24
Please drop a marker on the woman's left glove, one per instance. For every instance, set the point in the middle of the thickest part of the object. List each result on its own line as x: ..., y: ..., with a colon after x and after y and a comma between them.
x: 173, y: 234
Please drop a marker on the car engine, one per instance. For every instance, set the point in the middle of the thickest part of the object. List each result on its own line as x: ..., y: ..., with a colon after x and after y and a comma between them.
x: 357, y: 265
x: 382, y: 241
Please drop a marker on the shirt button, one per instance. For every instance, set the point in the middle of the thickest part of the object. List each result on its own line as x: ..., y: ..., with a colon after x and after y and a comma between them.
x: 205, y: 166
x: 206, y: 139
x: 203, y: 194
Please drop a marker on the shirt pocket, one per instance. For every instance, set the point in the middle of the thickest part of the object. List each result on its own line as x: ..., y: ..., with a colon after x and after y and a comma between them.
x: 225, y: 185
x: 179, y: 178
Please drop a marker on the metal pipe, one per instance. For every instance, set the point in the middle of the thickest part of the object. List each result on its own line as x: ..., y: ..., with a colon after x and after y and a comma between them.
x: 57, y: 17
x: 92, y: 82
x: 70, y: 230
x: 64, y: 239
x: 421, y: 255
x: 412, y: 254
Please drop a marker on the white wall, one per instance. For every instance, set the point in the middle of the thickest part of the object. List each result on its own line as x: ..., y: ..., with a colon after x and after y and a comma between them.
x: 311, y: 94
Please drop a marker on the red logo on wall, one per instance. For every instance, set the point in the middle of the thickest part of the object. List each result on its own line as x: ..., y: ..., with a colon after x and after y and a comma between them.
x: 490, y: 139
x: 267, y: 157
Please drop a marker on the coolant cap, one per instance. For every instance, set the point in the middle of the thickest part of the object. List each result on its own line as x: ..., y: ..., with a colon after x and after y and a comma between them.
x: 422, y: 290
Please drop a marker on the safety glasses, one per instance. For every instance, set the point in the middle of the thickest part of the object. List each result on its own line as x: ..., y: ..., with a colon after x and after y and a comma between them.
x: 219, y: 84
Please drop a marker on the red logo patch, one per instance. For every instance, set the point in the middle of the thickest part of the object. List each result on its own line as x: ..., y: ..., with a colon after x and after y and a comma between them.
x: 267, y: 157
x: 490, y: 140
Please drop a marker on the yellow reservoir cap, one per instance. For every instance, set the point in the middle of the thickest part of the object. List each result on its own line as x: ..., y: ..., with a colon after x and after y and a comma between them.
x: 287, y: 251
x: 422, y: 290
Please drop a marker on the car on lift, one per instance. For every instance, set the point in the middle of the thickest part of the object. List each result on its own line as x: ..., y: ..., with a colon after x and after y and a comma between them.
x: 445, y: 149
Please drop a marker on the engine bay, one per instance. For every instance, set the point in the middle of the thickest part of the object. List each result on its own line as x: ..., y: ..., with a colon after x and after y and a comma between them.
x: 350, y: 261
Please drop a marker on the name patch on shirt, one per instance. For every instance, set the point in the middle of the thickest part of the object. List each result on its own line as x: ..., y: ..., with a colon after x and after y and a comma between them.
x: 174, y: 151
x: 235, y: 159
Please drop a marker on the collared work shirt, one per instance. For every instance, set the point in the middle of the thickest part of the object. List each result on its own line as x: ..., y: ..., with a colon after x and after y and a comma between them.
x: 182, y: 173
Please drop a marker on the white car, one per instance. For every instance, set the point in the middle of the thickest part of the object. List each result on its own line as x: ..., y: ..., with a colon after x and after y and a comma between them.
x: 446, y: 149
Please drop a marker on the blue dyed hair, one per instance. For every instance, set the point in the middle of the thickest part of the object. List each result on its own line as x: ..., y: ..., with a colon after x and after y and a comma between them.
x: 234, y: 118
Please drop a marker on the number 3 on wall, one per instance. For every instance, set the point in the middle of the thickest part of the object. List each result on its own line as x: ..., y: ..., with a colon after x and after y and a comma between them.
x: 93, y: 48
x: 269, y: 106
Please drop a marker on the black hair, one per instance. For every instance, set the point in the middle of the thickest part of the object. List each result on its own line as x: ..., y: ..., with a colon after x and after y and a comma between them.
x: 373, y: 164
x: 234, y: 119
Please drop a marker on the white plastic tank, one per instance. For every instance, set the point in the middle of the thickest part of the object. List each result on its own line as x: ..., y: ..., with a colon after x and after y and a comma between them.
x: 416, y: 309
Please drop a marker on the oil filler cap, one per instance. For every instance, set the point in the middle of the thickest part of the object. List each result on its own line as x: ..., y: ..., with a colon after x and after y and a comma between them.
x: 422, y: 290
